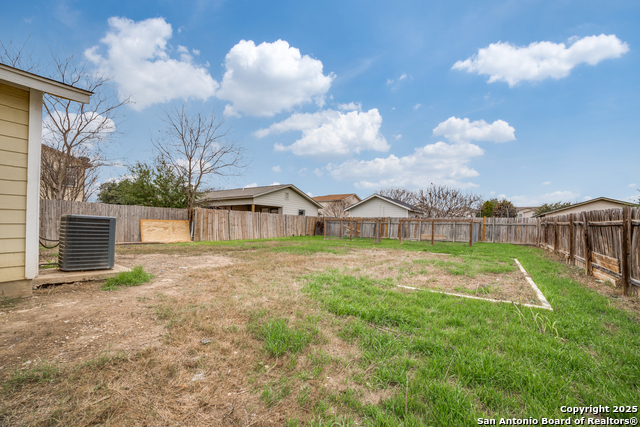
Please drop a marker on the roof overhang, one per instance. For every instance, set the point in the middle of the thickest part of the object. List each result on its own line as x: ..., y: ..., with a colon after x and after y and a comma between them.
x: 386, y: 200
x: 586, y: 202
x: 33, y: 81
x: 269, y: 191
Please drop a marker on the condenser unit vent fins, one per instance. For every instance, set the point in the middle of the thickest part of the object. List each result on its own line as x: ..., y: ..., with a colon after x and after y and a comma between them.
x: 86, y: 242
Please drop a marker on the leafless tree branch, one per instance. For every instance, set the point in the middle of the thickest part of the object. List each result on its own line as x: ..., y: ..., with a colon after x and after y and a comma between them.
x: 198, y: 147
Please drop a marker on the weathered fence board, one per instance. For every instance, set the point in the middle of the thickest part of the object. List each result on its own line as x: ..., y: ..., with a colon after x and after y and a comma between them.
x: 127, y: 217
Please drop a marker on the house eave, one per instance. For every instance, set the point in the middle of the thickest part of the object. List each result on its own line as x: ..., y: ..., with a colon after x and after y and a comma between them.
x: 28, y: 80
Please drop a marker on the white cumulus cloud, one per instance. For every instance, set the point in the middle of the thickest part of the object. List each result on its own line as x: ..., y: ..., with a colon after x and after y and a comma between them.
x: 138, y: 58
x: 463, y: 130
x: 253, y: 184
x: 546, y: 183
x: 632, y: 185
x: 512, y: 64
x: 331, y: 133
x: 439, y: 163
x: 276, y: 168
x: 352, y: 106
x: 269, y: 78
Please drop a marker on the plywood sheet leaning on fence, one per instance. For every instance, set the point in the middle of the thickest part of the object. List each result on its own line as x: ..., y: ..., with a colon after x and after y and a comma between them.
x: 164, y: 230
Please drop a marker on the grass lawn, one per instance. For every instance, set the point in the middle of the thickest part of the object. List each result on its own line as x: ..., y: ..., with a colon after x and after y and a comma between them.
x: 327, y: 340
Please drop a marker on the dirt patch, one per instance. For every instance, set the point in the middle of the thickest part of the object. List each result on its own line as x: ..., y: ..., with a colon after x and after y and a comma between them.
x: 77, y: 321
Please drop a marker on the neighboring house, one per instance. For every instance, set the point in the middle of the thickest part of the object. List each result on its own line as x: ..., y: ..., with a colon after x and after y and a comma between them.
x: 334, y: 205
x: 377, y: 206
x: 20, y: 155
x: 74, y: 180
x: 280, y: 199
x: 600, y: 203
x: 526, y: 212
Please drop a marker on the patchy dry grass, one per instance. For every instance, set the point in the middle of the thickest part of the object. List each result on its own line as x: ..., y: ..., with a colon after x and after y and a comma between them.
x: 310, y: 332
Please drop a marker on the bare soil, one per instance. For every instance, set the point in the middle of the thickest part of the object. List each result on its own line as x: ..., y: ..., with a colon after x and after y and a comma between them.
x: 135, y: 356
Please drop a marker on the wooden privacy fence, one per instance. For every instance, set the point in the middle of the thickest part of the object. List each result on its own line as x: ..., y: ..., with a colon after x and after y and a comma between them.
x: 127, y: 217
x: 605, y: 243
x: 216, y: 224
x: 452, y: 229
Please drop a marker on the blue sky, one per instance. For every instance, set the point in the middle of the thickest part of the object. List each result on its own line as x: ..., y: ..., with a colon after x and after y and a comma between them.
x: 533, y: 100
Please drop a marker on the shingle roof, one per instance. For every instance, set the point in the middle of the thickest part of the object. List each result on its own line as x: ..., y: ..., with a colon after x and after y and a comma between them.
x: 241, y: 192
x: 389, y: 199
x: 400, y: 202
x: 250, y: 192
x: 333, y: 197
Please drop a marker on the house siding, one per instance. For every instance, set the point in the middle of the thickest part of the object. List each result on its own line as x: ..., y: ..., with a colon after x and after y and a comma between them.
x: 289, y: 207
x: 14, y: 145
x: 375, y: 208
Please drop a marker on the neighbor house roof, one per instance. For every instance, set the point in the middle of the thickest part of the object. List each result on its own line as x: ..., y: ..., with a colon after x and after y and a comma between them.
x: 335, y: 197
x: 251, y: 192
x: 29, y: 80
x: 396, y: 202
x: 598, y: 199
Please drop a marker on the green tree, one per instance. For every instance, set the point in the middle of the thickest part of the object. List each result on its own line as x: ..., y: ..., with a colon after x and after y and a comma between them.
x: 156, y: 185
x: 504, y: 209
x: 488, y: 207
x: 548, y: 207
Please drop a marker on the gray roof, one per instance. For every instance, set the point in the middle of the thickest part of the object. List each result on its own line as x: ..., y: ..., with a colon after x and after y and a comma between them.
x: 586, y: 202
x: 239, y: 193
x: 400, y: 202
x: 251, y: 192
x: 389, y: 199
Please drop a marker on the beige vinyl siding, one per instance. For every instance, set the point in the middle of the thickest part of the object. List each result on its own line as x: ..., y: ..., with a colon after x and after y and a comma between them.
x: 375, y: 207
x: 14, y: 135
x: 289, y: 207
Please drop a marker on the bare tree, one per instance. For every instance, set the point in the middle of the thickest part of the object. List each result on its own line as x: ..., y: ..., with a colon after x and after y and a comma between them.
x: 74, y: 135
x: 438, y: 201
x: 441, y: 201
x: 399, y: 193
x: 17, y: 55
x: 198, y: 147
x: 78, y: 132
x: 335, y: 209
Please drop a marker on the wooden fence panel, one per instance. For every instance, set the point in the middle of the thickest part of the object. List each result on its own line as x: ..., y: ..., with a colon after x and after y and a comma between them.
x: 127, y: 217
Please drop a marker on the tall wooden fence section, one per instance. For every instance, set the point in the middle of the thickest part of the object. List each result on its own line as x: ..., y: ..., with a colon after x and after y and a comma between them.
x: 127, y: 217
x: 452, y: 230
x: 519, y: 231
x: 605, y: 243
x: 215, y: 225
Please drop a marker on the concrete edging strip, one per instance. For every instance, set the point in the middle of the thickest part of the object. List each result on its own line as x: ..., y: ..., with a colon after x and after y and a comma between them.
x: 545, y: 304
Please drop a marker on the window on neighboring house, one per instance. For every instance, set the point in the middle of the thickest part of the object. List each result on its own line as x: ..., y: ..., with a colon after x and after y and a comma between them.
x: 286, y: 196
x: 300, y: 212
x: 72, y: 177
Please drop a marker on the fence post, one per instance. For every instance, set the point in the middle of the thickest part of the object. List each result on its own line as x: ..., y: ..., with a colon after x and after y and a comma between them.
x: 555, y: 234
x: 484, y: 228
x: 341, y: 228
x: 572, y: 240
x: 324, y: 228
x: 399, y: 231
x: 378, y: 223
x: 538, y: 231
x: 470, y: 232
x: 587, y: 245
x: 626, y: 227
x: 350, y: 230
